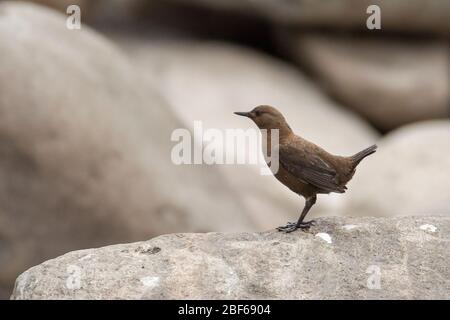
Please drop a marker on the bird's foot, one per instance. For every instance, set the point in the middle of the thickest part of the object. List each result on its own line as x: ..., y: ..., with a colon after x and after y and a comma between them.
x: 292, y: 226
x: 289, y: 229
x: 287, y: 226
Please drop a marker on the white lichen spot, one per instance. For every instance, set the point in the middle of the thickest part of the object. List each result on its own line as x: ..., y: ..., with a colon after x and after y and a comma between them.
x: 150, y: 281
x: 349, y: 226
x: 324, y: 236
x: 428, y: 227
x: 73, y: 281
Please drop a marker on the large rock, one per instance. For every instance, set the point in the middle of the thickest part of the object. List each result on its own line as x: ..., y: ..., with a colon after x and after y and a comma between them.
x: 209, y: 81
x: 389, y: 82
x: 407, y: 176
x: 85, y: 149
x: 365, y: 258
x: 62, y: 5
x: 398, y: 15
x: 97, y: 11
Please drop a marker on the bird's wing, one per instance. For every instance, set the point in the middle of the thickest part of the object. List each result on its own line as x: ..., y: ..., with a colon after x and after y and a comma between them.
x: 310, y: 168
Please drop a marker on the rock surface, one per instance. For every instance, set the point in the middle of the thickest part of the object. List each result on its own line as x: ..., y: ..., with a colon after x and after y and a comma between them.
x: 85, y: 149
x: 407, y: 176
x: 398, y: 15
x: 209, y: 81
x: 389, y: 82
x: 340, y: 258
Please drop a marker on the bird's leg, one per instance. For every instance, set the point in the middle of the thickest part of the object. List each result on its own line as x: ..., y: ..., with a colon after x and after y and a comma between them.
x: 300, y: 224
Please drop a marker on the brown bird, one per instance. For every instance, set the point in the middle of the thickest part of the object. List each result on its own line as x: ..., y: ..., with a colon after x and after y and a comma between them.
x: 304, y: 167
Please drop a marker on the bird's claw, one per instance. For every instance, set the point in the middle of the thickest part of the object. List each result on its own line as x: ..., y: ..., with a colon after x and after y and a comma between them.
x: 291, y: 226
x: 287, y: 226
x: 290, y: 229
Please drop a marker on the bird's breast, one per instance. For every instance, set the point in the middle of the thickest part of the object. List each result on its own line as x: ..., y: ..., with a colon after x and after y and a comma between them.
x: 295, y: 184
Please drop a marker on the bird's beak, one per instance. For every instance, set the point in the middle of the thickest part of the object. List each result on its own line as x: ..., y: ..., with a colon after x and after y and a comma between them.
x: 244, y: 114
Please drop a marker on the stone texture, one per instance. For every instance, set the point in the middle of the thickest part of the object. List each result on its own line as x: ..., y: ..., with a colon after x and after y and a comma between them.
x: 407, y: 176
x: 389, y: 82
x: 411, y: 255
x: 85, y: 149
x: 399, y: 15
x: 209, y: 81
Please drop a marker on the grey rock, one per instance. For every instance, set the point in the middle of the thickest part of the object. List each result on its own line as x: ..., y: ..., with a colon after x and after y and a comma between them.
x: 398, y: 15
x: 390, y: 83
x: 209, y: 81
x: 85, y: 149
x: 94, y: 12
x: 361, y: 258
x: 407, y: 176
x: 61, y: 5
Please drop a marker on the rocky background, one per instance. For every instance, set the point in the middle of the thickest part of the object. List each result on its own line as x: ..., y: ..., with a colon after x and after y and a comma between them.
x: 86, y: 115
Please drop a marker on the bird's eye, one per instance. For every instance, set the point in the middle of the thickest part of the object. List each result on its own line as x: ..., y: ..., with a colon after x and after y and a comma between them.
x: 257, y: 113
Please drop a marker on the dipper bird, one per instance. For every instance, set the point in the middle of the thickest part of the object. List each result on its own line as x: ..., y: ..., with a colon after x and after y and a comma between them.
x: 304, y: 167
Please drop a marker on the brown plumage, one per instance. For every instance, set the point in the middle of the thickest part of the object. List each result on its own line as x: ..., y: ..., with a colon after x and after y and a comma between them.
x: 305, y: 168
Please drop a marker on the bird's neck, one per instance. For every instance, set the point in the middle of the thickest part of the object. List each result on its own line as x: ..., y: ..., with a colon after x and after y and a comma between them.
x: 284, y: 132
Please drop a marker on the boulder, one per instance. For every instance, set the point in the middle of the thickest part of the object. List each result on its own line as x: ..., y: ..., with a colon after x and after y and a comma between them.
x: 61, y: 5
x: 98, y: 12
x: 400, y: 15
x: 389, y: 82
x: 85, y: 149
x: 359, y: 258
x: 208, y: 81
x: 407, y: 176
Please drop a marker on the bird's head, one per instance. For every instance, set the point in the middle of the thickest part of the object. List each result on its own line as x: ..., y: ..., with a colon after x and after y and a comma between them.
x: 266, y: 117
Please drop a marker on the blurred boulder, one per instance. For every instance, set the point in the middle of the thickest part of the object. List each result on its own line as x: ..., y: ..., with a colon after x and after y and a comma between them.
x: 96, y: 11
x: 400, y: 15
x: 389, y: 82
x: 407, y: 176
x: 85, y: 149
x: 61, y: 5
x: 209, y: 81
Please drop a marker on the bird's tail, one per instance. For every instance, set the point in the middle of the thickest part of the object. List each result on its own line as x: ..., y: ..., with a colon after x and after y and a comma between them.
x: 356, y: 158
